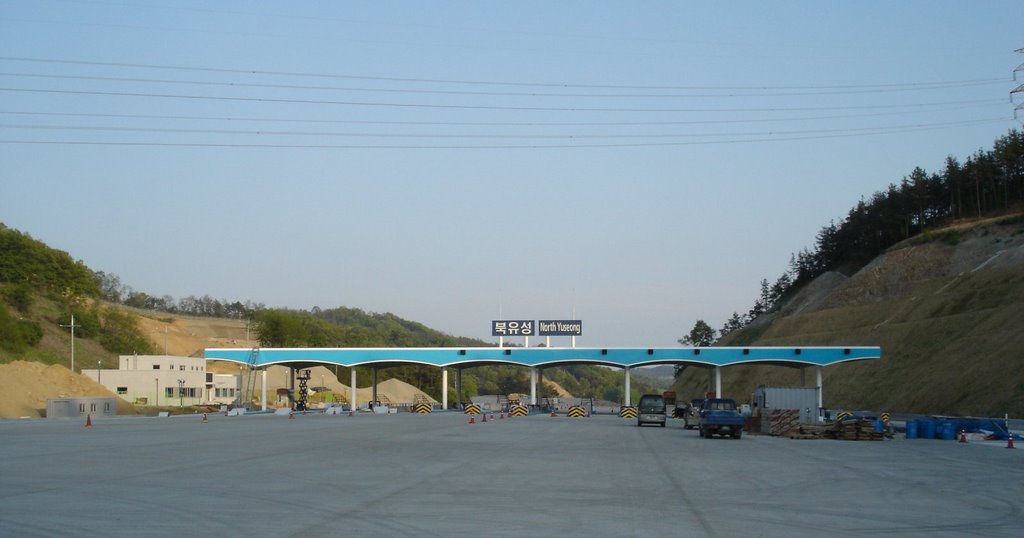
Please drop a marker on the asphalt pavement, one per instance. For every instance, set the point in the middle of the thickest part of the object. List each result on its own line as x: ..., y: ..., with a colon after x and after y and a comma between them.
x: 438, y: 475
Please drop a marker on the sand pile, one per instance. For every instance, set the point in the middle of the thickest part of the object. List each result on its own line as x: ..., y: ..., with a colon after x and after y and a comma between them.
x: 25, y: 386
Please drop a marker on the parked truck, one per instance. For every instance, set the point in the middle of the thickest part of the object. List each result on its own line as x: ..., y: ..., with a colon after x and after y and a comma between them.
x: 719, y: 415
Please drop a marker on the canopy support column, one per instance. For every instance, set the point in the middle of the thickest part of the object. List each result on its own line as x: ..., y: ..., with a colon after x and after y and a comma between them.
x: 373, y: 381
x: 626, y: 397
x: 533, y: 385
x: 352, y: 390
x: 821, y: 400
x: 444, y: 388
x: 718, y: 381
x: 458, y: 387
x: 263, y: 396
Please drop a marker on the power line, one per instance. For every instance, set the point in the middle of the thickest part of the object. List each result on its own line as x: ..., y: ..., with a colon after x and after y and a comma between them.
x: 492, y: 123
x: 483, y: 136
x: 935, y: 86
x: 469, y: 107
x: 504, y: 146
x: 481, y: 82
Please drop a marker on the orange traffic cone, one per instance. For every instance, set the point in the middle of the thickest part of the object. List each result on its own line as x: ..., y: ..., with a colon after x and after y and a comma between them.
x: 472, y: 419
x: 205, y: 420
x: 553, y: 412
x: 963, y: 436
x: 502, y: 415
x: 483, y: 417
x: 88, y: 422
x: 1009, y: 440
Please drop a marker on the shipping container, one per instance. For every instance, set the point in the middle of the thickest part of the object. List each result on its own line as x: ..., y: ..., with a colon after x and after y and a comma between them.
x: 803, y: 398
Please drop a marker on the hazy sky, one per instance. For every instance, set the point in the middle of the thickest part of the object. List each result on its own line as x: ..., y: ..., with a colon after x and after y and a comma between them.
x: 649, y: 162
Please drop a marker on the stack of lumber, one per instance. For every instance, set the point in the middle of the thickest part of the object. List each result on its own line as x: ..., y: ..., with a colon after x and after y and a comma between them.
x: 850, y: 430
x: 857, y: 430
x: 784, y: 421
x: 847, y: 430
x: 810, y: 431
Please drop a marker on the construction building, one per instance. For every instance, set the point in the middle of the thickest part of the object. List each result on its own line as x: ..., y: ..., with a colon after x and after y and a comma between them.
x: 166, y: 380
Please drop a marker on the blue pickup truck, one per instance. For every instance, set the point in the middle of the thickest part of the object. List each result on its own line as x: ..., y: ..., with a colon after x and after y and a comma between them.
x: 719, y: 415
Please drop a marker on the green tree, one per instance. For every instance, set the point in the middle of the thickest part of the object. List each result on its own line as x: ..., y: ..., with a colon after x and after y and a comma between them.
x: 120, y: 334
x: 20, y: 296
x: 701, y: 335
x: 17, y: 335
x: 280, y: 329
x: 733, y: 323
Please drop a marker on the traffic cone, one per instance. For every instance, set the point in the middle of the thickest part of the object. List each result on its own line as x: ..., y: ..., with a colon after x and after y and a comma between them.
x: 350, y: 412
x: 963, y: 436
x: 502, y: 415
x: 291, y: 415
x: 484, y: 417
x: 88, y: 422
x: 472, y: 419
x: 1009, y: 440
x: 553, y: 412
x: 205, y: 420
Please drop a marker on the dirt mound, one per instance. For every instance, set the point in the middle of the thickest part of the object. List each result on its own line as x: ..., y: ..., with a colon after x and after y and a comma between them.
x: 25, y: 387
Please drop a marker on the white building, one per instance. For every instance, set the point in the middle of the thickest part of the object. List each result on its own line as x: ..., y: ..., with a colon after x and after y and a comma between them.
x: 166, y: 380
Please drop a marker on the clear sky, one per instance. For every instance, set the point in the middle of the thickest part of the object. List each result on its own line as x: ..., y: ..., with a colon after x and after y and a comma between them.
x: 646, y: 162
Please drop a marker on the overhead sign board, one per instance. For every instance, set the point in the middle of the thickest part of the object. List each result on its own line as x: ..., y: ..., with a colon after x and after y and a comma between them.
x: 560, y: 327
x: 512, y: 327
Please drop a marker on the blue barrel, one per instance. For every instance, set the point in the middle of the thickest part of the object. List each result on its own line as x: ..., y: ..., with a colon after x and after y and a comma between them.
x: 879, y: 425
x: 948, y: 430
x: 927, y: 428
x: 912, y: 429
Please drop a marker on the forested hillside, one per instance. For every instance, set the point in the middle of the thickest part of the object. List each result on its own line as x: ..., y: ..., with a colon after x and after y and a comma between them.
x: 931, y: 270
x: 41, y: 288
x: 989, y: 183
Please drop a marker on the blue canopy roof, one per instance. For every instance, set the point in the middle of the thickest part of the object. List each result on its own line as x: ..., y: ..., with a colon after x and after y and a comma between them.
x: 542, y: 356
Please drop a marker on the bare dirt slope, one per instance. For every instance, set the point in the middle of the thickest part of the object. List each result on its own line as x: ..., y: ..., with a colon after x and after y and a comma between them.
x: 184, y: 336
x: 27, y: 385
x: 946, y: 308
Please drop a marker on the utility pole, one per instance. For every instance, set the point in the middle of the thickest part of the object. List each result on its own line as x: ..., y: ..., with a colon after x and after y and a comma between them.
x: 181, y: 393
x: 72, y: 341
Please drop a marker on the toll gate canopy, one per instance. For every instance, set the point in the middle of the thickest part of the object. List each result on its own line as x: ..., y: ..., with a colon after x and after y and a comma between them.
x: 538, y: 358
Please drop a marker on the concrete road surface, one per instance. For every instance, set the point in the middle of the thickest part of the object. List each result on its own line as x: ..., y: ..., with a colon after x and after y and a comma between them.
x: 437, y: 475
